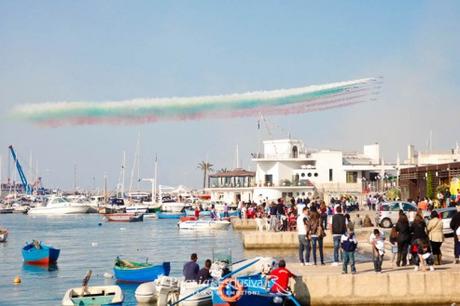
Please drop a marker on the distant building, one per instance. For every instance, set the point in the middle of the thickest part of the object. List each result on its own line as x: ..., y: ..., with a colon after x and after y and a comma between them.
x: 232, y: 186
x: 420, y: 158
x: 287, y: 169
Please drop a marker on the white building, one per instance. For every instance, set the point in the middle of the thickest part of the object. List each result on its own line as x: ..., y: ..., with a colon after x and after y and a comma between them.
x: 232, y: 186
x: 287, y: 169
x: 420, y: 158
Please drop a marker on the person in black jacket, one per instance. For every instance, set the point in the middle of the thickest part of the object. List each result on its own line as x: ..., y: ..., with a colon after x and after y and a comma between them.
x: 339, y: 227
x: 418, y: 228
x: 454, y: 225
x: 403, y: 239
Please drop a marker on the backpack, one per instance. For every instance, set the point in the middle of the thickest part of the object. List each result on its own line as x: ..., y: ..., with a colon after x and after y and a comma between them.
x: 349, y: 245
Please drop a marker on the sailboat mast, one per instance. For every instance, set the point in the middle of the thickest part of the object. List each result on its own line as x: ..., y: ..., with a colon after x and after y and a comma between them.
x: 123, y: 166
x: 155, y: 178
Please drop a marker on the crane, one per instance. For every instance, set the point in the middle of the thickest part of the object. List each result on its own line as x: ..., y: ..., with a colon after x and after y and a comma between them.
x: 27, y: 187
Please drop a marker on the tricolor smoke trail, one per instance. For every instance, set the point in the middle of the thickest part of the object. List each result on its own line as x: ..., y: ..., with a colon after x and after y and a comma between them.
x: 137, y: 111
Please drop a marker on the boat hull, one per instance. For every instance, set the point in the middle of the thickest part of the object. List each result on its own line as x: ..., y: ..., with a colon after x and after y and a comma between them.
x: 163, y: 215
x: 56, y: 211
x: 143, y: 274
x: 121, y: 217
x: 94, y: 295
x: 46, y: 255
x: 204, y: 225
x: 255, y: 293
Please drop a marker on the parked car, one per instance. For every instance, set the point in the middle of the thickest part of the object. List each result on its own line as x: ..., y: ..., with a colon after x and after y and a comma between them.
x: 446, y: 215
x: 388, y: 212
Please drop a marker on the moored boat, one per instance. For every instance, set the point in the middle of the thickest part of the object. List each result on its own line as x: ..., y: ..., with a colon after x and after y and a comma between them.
x: 38, y: 253
x: 3, y: 234
x: 204, y: 225
x: 93, y: 295
x: 137, y: 272
x: 170, y: 215
x: 124, y: 217
x: 59, y: 206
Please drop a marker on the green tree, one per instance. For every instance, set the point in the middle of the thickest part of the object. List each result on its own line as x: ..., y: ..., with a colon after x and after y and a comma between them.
x: 206, y: 168
x: 429, y: 186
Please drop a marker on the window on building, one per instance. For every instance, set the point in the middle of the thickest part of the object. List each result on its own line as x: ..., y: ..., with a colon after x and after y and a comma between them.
x: 268, y: 179
x: 309, y: 174
x: 331, y: 177
x: 352, y: 177
x: 316, y: 174
x: 295, y: 152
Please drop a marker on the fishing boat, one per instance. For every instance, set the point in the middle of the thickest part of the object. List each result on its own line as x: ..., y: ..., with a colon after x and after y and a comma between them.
x: 94, y: 295
x: 59, y: 206
x: 204, y: 225
x: 247, y: 291
x: 38, y: 253
x: 203, y: 213
x: 3, y: 234
x: 170, y: 215
x: 137, y: 272
x: 124, y: 217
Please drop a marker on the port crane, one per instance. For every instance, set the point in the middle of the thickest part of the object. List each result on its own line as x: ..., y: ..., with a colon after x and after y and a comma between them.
x: 25, y: 183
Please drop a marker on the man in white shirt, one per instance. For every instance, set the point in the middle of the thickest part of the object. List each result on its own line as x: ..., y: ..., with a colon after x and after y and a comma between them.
x: 302, y: 233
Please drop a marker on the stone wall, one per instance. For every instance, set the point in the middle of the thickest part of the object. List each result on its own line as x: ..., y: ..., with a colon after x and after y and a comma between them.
x: 406, y: 288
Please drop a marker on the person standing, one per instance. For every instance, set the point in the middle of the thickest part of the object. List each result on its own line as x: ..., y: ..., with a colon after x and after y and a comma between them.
x: 339, y: 228
x: 315, y: 234
x: 436, y: 236
x: 204, y: 275
x: 226, y: 215
x: 273, y: 218
x: 349, y: 244
x: 302, y: 235
x: 455, y: 225
x: 378, y: 249
x: 323, y: 215
x: 191, y: 269
x: 404, y: 238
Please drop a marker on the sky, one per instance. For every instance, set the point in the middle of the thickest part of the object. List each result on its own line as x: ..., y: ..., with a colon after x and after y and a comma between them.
x: 117, y: 50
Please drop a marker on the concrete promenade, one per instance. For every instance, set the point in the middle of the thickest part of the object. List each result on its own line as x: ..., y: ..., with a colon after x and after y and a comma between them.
x: 325, y: 285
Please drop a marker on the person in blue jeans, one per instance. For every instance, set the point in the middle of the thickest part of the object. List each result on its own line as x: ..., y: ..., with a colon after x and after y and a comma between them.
x: 315, y: 233
x: 339, y: 227
x: 349, y: 244
x: 304, y: 244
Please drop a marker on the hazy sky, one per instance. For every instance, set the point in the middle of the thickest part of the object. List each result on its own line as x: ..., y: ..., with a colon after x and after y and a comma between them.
x: 113, y: 50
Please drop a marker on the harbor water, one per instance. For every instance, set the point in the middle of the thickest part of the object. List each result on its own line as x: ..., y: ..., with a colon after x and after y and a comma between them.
x: 87, y: 245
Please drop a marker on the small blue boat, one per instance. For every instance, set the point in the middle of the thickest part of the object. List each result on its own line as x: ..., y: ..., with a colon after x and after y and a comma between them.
x: 137, y: 272
x: 203, y: 213
x: 247, y: 291
x: 38, y: 253
x: 231, y: 213
x: 167, y: 215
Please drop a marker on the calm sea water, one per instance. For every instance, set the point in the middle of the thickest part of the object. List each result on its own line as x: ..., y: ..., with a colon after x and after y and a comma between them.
x: 86, y: 245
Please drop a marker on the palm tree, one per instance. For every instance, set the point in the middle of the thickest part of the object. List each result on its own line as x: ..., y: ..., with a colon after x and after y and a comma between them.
x: 206, y: 168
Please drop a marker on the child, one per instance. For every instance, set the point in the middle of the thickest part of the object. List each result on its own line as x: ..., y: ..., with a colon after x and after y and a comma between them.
x: 349, y: 244
x: 378, y: 249
x: 394, y: 244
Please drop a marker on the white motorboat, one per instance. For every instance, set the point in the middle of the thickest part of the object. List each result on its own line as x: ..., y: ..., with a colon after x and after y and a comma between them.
x: 59, y: 206
x: 204, y: 225
x: 93, y: 295
x: 172, y: 207
x: 204, y: 298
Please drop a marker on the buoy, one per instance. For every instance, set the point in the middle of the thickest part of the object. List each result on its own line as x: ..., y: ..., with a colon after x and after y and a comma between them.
x: 17, y: 280
x: 100, y: 224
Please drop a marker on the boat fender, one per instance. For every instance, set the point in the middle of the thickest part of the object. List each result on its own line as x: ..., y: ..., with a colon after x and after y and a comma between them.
x: 17, y: 280
x: 239, y: 290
